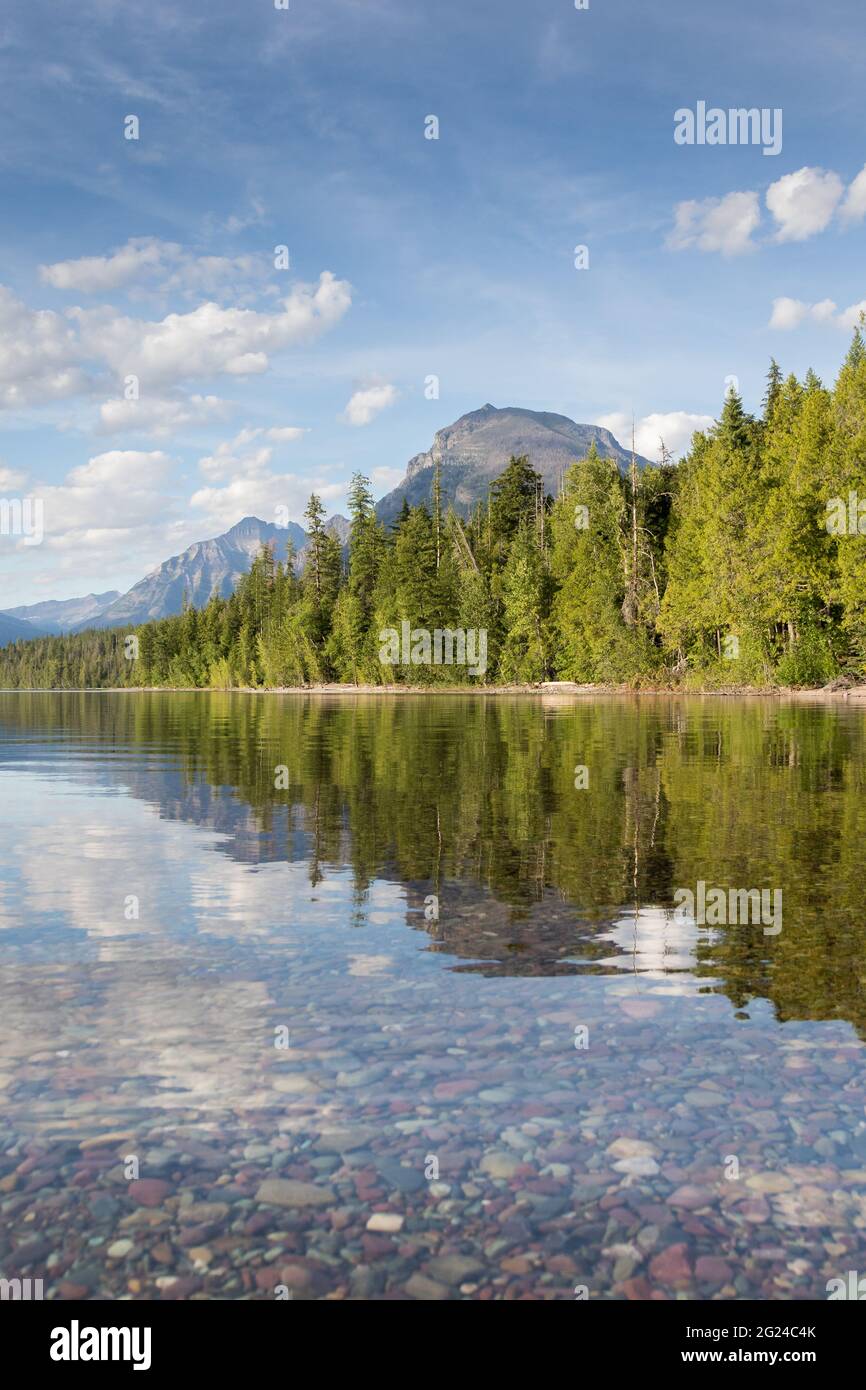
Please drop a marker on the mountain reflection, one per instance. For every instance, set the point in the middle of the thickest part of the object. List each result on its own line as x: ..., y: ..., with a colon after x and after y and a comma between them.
x: 472, y: 801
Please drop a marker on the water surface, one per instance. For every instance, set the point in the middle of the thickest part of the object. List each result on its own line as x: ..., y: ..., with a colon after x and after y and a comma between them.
x: 373, y: 997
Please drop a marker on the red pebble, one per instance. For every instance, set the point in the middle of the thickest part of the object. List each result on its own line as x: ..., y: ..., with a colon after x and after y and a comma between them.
x: 149, y: 1192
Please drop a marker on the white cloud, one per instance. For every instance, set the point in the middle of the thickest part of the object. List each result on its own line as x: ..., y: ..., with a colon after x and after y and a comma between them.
x: 366, y: 404
x: 790, y: 313
x: 853, y: 208
x: 675, y: 427
x: 251, y: 487
x: 211, y: 340
x: 116, y: 514
x: 158, y: 416
x: 98, y: 274
x: 119, y: 467
x: 107, y: 502
x: 236, y: 277
x: 717, y: 224
x: 803, y: 203
x: 40, y: 357
x: 850, y: 318
x: 286, y: 434
x: 172, y: 267
x: 259, y: 494
x: 46, y: 356
x: 11, y: 479
x: 234, y: 457
x: 824, y: 310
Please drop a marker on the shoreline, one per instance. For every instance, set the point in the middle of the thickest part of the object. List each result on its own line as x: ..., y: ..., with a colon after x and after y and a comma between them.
x: 547, y: 690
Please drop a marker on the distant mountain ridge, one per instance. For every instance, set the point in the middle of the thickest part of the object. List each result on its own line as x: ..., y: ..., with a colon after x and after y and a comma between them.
x: 471, y: 454
x: 200, y: 572
x: 14, y: 630
x: 474, y: 450
x: 63, y: 615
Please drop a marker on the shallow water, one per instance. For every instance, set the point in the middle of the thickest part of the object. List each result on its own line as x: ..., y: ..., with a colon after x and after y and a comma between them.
x: 561, y: 1084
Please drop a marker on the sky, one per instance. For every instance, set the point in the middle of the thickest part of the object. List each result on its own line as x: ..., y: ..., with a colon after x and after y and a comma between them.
x: 284, y: 279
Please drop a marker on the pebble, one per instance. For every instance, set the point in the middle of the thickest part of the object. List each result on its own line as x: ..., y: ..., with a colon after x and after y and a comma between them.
x: 149, y: 1192
x: 288, y: 1192
x: 197, y: 1213
x: 770, y: 1182
x: 639, y: 1167
x: 632, y: 1148
x: 671, y: 1266
x: 499, y: 1165
x: 294, y: 1084
x: 385, y: 1221
x: 428, y: 1290
x: 453, y: 1269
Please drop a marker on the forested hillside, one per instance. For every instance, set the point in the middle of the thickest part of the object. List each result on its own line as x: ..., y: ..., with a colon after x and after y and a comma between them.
x: 745, y: 563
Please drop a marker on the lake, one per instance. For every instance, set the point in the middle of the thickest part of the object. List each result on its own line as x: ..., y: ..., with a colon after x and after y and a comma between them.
x: 367, y: 997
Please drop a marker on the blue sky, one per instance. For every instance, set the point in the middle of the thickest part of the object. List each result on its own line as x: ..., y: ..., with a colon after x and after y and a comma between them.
x: 409, y: 257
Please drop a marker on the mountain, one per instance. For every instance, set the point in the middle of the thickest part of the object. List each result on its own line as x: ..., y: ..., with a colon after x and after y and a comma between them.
x: 62, y: 615
x: 206, y: 568
x: 472, y: 453
x: 14, y: 630
x: 476, y: 448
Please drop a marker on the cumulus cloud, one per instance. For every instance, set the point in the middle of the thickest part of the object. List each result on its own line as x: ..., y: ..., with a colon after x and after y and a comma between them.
x: 104, y: 502
x: 675, y: 427
x: 790, y: 313
x: 251, y: 486
x: 286, y: 434
x: 824, y: 311
x: 803, y: 203
x: 211, y: 340
x: 853, y: 208
x: 163, y: 264
x: 40, y: 356
x: 158, y: 416
x: 366, y: 404
x: 259, y: 493
x: 118, y: 468
x: 851, y: 317
x: 119, y: 511
x: 238, y: 277
x: 11, y: 479
x: 46, y: 356
x: 717, y: 224
x: 141, y: 256
x: 236, y: 457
